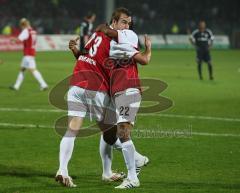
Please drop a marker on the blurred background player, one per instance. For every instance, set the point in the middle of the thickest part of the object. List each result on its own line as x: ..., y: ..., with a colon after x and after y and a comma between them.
x: 86, y: 29
x: 28, y: 36
x: 202, y: 39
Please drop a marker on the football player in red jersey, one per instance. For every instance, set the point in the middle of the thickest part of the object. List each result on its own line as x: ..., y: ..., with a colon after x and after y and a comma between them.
x: 88, y: 95
x: 29, y: 37
x: 121, y: 19
x: 125, y: 90
x: 90, y: 85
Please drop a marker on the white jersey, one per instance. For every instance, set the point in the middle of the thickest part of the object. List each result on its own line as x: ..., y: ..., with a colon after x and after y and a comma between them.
x: 127, y: 45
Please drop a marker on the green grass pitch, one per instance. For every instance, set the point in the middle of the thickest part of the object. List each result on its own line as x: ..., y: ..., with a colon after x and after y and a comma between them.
x: 207, y: 160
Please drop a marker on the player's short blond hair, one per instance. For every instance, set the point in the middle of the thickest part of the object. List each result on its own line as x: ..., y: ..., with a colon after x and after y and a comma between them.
x: 24, y: 22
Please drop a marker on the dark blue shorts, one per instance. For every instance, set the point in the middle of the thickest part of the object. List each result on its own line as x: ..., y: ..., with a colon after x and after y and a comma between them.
x: 203, y: 55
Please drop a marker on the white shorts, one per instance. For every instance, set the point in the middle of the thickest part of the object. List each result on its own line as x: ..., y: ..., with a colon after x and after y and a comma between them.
x: 28, y: 62
x: 127, y: 104
x: 82, y: 103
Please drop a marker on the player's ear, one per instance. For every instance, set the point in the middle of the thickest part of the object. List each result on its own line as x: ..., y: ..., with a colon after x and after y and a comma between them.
x: 114, y: 21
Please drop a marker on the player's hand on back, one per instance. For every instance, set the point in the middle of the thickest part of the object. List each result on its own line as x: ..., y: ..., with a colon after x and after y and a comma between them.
x: 147, y: 42
x: 72, y: 43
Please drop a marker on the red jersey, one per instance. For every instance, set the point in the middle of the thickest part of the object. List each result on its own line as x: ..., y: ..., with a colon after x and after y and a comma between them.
x: 29, y: 38
x: 124, y: 77
x: 89, y: 71
x: 124, y: 74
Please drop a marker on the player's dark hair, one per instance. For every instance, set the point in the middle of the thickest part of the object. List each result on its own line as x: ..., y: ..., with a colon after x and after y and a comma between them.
x: 131, y: 27
x: 117, y: 13
x: 201, y: 20
x: 90, y: 14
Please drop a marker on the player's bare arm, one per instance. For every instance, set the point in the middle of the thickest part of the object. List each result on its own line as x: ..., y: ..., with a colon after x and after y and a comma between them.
x: 85, y: 39
x: 210, y: 44
x: 14, y: 40
x: 144, y: 58
x: 107, y: 30
x: 191, y: 41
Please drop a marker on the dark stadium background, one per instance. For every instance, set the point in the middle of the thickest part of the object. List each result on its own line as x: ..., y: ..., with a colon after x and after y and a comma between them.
x: 150, y: 16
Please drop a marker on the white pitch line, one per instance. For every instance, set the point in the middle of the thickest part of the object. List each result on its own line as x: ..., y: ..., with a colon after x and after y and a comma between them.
x: 31, y: 110
x: 216, y: 134
x: 51, y: 126
x: 24, y: 125
x: 193, y: 117
x: 148, y: 114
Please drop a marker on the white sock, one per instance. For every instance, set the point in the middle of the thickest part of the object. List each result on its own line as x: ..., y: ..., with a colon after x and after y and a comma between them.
x: 66, y: 149
x: 19, y: 80
x: 117, y: 145
x: 106, y: 156
x: 39, y: 78
x: 138, y: 157
x: 128, y: 150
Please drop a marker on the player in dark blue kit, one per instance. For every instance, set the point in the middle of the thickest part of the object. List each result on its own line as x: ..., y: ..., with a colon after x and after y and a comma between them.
x: 86, y: 29
x: 202, y: 39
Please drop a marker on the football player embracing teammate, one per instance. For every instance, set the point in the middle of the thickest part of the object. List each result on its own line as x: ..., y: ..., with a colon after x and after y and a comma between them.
x: 125, y: 90
x: 90, y: 88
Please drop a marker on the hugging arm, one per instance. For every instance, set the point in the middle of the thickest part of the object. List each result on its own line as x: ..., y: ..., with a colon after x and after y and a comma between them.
x: 142, y: 57
x: 107, y: 30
